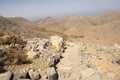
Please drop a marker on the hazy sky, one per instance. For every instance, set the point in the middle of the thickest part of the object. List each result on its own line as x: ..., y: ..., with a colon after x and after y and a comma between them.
x: 34, y: 9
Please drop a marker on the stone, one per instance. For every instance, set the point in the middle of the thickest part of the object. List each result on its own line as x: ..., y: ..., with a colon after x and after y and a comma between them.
x: 56, y: 41
x: 118, y: 61
x: 57, y: 58
x: 37, y: 45
x: 51, y: 74
x: 20, y: 73
x: 34, y: 75
x: 30, y: 45
x: 51, y: 62
x: 6, y: 76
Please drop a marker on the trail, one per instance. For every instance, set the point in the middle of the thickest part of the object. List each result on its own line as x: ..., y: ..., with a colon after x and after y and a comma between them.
x: 67, y: 65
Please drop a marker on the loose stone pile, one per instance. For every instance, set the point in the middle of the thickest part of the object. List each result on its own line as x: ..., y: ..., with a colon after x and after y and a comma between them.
x: 44, y: 54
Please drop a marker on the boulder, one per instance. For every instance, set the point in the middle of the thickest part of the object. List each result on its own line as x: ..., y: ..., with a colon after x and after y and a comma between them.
x: 34, y: 75
x: 56, y: 41
x: 20, y: 73
x: 52, y: 74
x: 118, y: 61
x: 36, y: 45
x: 6, y: 76
x: 51, y: 61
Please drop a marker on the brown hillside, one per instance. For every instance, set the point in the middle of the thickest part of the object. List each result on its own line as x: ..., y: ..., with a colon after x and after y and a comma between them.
x: 102, y: 29
x: 18, y: 27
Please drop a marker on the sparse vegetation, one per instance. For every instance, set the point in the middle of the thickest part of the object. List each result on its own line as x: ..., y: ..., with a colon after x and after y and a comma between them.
x: 78, y: 49
x: 7, y: 39
x: 10, y: 56
x: 11, y: 52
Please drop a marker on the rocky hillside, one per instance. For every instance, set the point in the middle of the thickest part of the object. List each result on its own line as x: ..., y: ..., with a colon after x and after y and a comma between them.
x: 70, y: 48
x: 57, y: 59
x: 17, y: 27
x: 101, y: 29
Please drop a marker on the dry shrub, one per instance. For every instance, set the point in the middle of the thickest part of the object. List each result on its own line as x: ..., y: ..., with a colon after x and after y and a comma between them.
x: 15, y: 40
x: 7, y: 39
x: 4, y: 39
x: 11, y: 52
x: 10, y: 56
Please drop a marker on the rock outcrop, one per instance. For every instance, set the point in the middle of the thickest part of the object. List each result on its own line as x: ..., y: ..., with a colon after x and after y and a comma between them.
x: 89, y: 62
x: 56, y: 59
x: 56, y: 41
x: 6, y: 76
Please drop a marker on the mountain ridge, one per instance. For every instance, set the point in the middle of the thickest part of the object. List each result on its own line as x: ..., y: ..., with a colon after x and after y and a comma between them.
x: 103, y: 29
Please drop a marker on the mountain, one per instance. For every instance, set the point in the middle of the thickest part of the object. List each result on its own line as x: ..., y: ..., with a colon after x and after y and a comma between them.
x: 17, y: 26
x: 100, y: 29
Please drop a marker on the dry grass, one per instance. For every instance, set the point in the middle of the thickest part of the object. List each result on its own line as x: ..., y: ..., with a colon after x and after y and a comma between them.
x: 14, y: 54
x: 7, y: 39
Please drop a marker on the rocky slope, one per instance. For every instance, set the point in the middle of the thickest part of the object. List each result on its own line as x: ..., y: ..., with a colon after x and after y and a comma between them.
x: 88, y: 49
x: 102, y: 29
x: 83, y: 61
x: 16, y: 27
x: 57, y: 59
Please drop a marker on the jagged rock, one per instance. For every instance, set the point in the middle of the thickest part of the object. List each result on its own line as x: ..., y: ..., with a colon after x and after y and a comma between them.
x: 41, y: 45
x: 34, y: 75
x: 30, y: 45
x: 38, y: 45
x: 57, y: 58
x: 6, y: 76
x: 51, y: 61
x: 51, y: 73
x: 20, y: 73
x: 118, y: 61
x: 56, y: 41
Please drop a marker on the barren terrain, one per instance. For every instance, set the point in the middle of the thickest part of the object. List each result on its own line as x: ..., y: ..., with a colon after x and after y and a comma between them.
x: 70, y: 48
